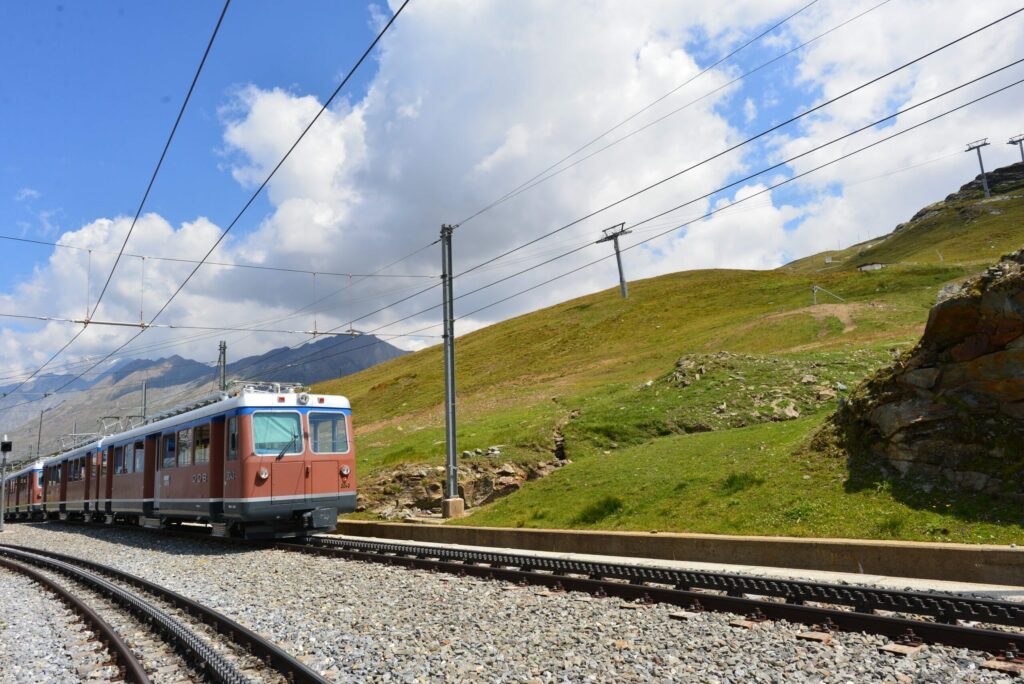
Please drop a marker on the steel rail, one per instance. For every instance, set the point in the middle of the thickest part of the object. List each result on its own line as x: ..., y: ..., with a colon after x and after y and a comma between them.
x: 947, y: 608
x: 647, y: 584
x: 272, y: 656
x: 212, y: 663
x: 122, y: 656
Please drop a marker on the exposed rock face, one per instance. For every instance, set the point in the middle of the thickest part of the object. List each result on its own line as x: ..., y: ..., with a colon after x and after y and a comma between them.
x: 954, y: 407
x: 417, y: 487
x: 1002, y: 180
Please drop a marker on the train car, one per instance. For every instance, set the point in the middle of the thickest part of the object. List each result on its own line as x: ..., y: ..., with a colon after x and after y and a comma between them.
x: 23, y: 493
x: 53, y: 481
x: 80, y: 468
x: 266, y: 461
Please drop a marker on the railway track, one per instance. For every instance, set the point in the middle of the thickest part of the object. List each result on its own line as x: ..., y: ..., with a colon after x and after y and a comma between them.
x: 907, y: 618
x: 159, y: 635
x: 95, y: 645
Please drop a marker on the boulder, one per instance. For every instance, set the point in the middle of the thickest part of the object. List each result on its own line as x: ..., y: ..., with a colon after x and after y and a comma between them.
x: 953, y: 407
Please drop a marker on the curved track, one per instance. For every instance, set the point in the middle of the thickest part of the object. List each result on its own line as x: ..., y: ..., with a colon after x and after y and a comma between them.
x: 219, y: 648
x: 128, y: 666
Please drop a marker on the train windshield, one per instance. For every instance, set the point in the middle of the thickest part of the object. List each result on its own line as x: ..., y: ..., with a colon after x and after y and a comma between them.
x: 328, y: 432
x: 275, y: 433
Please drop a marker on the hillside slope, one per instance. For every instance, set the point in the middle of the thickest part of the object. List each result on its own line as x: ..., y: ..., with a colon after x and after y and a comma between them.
x: 601, y: 377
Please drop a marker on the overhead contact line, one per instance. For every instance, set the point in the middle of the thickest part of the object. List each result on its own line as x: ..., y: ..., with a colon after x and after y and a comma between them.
x: 248, y: 203
x: 747, y: 141
x: 163, y: 155
x: 734, y: 203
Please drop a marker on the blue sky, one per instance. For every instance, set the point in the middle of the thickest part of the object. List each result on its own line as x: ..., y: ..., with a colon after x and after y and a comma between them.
x: 464, y: 101
x: 96, y: 88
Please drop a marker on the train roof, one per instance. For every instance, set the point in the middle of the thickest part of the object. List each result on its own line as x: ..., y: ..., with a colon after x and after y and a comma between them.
x: 262, y: 395
x: 35, y: 465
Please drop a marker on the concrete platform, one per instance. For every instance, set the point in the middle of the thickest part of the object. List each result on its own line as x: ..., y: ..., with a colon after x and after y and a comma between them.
x: 979, y: 590
x: 985, y: 567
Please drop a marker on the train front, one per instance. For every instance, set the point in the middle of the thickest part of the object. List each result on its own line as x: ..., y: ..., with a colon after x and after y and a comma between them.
x: 290, y: 463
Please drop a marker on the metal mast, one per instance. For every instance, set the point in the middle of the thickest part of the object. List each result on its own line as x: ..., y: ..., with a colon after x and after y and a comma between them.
x: 1018, y: 140
x: 977, y: 145
x: 612, y: 234
x: 453, y: 505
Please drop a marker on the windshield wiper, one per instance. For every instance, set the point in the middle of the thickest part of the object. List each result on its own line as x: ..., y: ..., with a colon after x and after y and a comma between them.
x: 287, y: 446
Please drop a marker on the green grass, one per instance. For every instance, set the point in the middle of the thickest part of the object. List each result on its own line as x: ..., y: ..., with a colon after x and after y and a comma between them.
x: 744, y: 481
x: 601, y: 369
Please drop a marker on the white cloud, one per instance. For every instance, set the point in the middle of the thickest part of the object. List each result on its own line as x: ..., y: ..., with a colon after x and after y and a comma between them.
x: 749, y: 110
x: 26, y: 194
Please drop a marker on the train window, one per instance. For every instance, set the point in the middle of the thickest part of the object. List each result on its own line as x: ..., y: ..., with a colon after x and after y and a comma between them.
x: 232, y: 439
x: 140, y: 456
x: 328, y: 432
x: 40, y: 479
x: 118, y: 460
x: 169, y: 453
x: 276, y: 433
x: 184, y: 447
x: 103, y: 462
x: 202, y: 440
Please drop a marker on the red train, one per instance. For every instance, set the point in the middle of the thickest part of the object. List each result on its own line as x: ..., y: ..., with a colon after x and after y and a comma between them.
x: 266, y: 461
x: 23, y: 495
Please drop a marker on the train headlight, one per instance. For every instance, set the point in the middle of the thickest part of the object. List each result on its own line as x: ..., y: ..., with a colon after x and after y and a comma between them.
x: 263, y: 474
x: 303, y: 399
x: 345, y: 470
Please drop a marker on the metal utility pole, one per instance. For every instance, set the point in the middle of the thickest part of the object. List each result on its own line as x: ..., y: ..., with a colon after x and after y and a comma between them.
x: 977, y: 145
x: 223, y: 363
x: 1018, y: 140
x: 453, y: 505
x: 39, y: 434
x: 144, y: 402
x: 5, y: 448
x: 613, y: 234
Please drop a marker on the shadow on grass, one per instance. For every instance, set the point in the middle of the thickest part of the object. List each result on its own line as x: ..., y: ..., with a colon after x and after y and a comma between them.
x: 869, y: 472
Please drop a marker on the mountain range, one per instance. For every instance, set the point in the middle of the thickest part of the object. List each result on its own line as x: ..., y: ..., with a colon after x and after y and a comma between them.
x: 115, y: 391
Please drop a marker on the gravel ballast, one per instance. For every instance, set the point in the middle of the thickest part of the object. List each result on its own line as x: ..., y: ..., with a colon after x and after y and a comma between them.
x: 369, y: 622
x: 33, y: 625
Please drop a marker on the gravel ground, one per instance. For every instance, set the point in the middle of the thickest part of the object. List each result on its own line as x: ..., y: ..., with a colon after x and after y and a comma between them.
x: 369, y: 622
x: 32, y: 624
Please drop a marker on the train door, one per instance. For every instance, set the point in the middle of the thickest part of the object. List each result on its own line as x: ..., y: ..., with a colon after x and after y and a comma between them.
x: 165, y: 461
x: 328, y: 440
x: 88, y: 477
x: 150, y: 468
x: 232, y: 467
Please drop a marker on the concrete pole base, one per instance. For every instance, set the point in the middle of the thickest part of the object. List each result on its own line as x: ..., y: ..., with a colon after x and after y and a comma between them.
x: 453, y: 508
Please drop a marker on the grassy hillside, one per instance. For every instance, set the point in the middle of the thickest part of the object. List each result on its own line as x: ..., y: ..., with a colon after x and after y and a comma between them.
x: 663, y: 450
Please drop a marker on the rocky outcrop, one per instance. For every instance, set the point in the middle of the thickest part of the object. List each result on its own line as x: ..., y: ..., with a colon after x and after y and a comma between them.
x: 1001, y: 181
x: 953, y: 407
x: 416, y: 488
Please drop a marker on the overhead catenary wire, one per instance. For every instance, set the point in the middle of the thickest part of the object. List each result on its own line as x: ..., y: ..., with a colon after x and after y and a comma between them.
x: 227, y: 264
x: 1018, y: 10
x: 163, y: 155
x: 749, y: 197
x: 747, y: 141
x: 19, y: 373
x: 736, y: 203
x: 152, y: 179
x: 252, y: 198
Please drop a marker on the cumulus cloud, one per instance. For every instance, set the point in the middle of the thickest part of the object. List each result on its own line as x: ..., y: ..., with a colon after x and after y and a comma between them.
x: 26, y: 194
